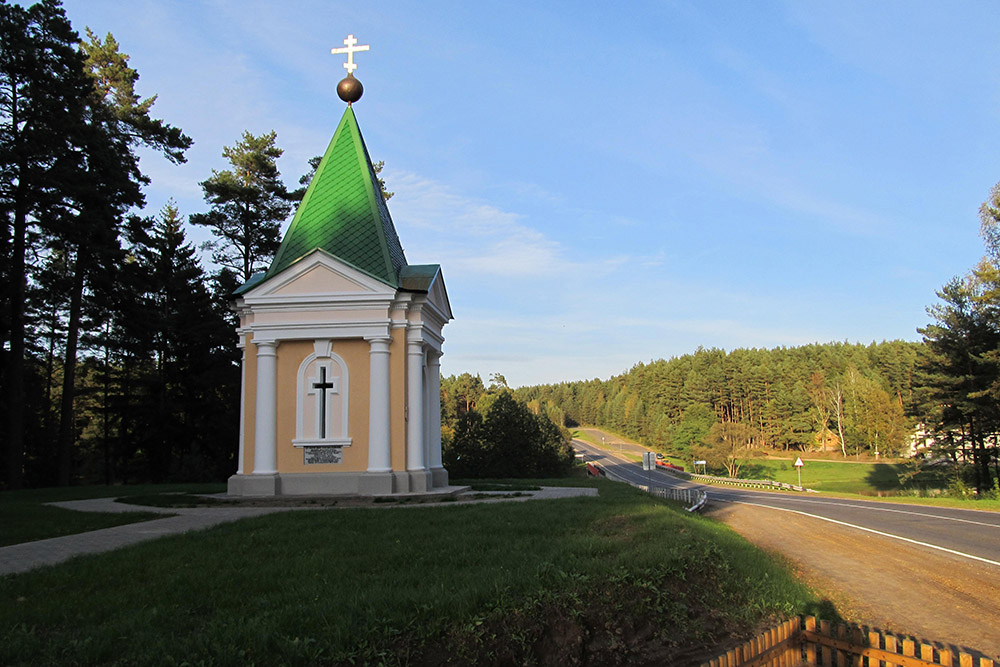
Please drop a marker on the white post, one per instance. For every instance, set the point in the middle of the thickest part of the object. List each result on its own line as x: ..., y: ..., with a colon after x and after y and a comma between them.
x: 379, y: 435
x: 415, y: 405
x: 434, y: 408
x: 265, y: 457
x: 243, y: 407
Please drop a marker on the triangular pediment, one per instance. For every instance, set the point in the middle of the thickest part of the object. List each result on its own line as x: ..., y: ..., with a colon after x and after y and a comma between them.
x: 320, y: 279
x: 319, y: 274
x: 438, y: 296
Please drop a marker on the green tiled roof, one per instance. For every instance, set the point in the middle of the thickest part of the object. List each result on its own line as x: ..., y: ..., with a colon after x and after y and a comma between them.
x: 343, y: 212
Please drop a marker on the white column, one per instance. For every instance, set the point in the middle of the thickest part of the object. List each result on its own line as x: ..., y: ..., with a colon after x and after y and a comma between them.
x: 265, y: 456
x: 434, y: 405
x: 415, y: 405
x: 243, y: 409
x: 379, y: 434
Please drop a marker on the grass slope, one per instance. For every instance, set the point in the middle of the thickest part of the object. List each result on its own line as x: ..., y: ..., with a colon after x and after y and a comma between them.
x: 620, y: 578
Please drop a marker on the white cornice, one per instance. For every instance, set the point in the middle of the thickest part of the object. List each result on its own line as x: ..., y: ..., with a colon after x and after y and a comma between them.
x: 285, y: 331
x: 331, y: 301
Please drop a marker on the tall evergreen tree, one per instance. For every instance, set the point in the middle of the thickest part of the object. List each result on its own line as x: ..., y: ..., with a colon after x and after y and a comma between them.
x: 117, y: 122
x: 44, y: 95
x: 958, y: 374
x: 248, y: 204
x: 192, y: 381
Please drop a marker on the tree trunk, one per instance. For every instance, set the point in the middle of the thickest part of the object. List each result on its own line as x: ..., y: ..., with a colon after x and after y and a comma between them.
x: 838, y: 397
x: 106, y: 408
x: 50, y: 366
x: 996, y: 461
x: 67, y: 425
x: 14, y: 389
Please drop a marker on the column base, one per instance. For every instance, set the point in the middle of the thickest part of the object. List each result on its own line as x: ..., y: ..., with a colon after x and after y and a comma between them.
x: 421, y: 481
x: 253, y: 485
x: 440, y: 477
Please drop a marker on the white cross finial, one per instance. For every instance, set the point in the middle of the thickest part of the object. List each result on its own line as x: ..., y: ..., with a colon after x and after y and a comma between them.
x: 350, y: 49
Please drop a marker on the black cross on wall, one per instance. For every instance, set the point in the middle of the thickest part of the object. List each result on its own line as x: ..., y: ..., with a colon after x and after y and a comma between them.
x: 323, y: 385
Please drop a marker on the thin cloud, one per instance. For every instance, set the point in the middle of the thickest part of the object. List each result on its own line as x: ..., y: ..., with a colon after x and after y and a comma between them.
x: 475, y: 237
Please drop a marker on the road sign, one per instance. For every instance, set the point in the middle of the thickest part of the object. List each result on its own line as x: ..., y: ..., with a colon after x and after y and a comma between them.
x: 798, y: 462
x: 700, y: 463
x: 649, y: 461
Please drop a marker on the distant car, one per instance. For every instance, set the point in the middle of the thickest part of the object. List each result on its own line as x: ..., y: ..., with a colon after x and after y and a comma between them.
x: 659, y: 456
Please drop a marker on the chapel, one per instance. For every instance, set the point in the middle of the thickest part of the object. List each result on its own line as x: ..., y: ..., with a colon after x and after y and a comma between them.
x: 341, y: 341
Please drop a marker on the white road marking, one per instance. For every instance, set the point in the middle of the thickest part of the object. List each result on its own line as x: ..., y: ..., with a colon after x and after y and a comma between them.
x: 886, y: 509
x: 872, y: 530
x: 877, y: 532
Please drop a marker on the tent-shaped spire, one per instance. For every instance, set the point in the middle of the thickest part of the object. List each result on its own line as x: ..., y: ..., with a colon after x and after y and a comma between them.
x: 343, y: 212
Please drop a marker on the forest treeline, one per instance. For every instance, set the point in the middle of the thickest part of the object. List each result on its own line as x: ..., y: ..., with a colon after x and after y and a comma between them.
x: 840, y: 396
x: 118, y: 360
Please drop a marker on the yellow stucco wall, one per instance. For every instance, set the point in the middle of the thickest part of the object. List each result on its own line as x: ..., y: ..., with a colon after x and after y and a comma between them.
x: 250, y: 403
x: 291, y: 354
x: 355, y: 354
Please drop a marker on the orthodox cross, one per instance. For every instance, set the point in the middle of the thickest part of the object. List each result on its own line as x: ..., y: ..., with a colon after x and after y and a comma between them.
x: 350, y: 49
x: 322, y: 387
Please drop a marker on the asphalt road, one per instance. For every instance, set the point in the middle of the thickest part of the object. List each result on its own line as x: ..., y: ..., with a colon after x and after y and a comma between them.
x: 970, y: 535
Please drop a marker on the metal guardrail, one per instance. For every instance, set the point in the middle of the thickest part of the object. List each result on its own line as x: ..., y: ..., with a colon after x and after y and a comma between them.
x: 732, y: 481
x: 693, y: 499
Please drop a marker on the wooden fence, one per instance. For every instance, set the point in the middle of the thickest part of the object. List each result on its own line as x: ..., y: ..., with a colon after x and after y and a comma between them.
x: 807, y: 641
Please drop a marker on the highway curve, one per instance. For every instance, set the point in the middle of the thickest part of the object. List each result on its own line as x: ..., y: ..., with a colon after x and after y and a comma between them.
x: 925, y: 571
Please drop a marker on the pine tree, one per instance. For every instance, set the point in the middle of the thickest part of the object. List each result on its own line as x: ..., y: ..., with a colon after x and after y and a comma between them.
x: 248, y: 204
x: 184, y: 422
x: 43, y: 100
x: 958, y: 372
x: 107, y: 183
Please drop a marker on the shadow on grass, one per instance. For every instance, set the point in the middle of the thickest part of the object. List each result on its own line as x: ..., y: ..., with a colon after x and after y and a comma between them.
x: 755, y: 471
x: 824, y: 610
x: 901, y: 477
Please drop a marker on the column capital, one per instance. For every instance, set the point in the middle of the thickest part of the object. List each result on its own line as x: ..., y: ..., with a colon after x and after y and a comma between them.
x: 266, y: 348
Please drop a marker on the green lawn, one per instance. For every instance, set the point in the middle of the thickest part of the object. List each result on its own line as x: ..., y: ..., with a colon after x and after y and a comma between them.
x: 24, y: 516
x: 840, y: 476
x: 508, y: 583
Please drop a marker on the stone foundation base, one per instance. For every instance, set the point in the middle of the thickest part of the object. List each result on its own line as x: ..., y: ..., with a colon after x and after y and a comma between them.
x: 440, y: 476
x: 339, y: 483
x: 253, y: 485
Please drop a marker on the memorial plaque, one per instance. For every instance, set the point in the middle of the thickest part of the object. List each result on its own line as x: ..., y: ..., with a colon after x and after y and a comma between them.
x: 314, y: 455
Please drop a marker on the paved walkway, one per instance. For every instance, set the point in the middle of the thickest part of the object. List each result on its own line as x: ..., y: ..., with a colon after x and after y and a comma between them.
x: 29, y: 555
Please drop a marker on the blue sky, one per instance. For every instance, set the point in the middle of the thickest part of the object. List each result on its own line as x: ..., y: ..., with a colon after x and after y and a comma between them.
x: 609, y: 183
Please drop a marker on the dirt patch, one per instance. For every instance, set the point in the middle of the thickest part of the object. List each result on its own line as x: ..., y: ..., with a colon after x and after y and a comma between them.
x: 881, y: 582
